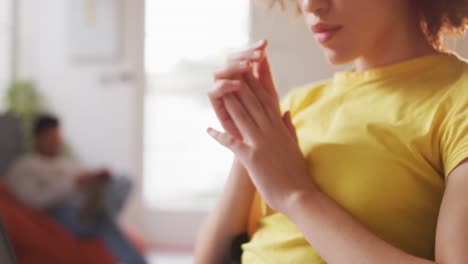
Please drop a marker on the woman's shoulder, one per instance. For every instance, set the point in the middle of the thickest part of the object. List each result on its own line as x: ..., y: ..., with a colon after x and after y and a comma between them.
x: 464, y: 74
x: 458, y: 90
x: 454, y: 100
x: 304, y: 95
x: 460, y: 64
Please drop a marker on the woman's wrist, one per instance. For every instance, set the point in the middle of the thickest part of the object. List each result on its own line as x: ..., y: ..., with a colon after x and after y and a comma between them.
x: 297, y: 199
x: 241, y: 173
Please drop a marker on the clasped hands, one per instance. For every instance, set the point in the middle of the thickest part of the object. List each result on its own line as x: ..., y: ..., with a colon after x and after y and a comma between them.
x: 246, y: 103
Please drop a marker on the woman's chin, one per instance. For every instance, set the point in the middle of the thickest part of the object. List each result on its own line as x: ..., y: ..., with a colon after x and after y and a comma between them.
x: 338, y: 57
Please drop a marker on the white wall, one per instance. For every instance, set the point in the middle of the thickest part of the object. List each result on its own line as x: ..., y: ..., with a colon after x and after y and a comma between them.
x: 102, y: 121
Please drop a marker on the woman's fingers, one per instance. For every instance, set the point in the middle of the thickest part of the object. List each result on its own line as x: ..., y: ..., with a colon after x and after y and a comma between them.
x: 254, y: 52
x: 269, y: 103
x: 235, y: 145
x: 263, y: 73
x: 247, y: 55
x: 261, y: 44
x: 225, y: 119
x: 262, y: 70
x: 220, y: 89
x: 260, y: 106
x: 223, y: 87
x: 228, y: 79
x: 251, y: 103
x: 233, y: 70
x: 240, y: 62
x: 242, y: 118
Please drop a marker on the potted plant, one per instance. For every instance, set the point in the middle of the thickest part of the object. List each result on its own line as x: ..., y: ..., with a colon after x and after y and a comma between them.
x: 23, y: 102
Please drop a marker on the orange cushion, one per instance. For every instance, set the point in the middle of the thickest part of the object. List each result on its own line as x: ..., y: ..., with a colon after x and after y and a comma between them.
x: 36, y: 238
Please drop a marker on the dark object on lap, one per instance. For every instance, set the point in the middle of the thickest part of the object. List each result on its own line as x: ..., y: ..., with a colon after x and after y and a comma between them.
x: 235, y: 255
x: 94, y: 205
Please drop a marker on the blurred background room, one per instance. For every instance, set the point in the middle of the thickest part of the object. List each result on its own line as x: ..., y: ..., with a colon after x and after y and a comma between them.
x: 128, y: 81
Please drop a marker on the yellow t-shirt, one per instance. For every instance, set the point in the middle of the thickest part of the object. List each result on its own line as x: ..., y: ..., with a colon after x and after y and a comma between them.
x: 381, y: 144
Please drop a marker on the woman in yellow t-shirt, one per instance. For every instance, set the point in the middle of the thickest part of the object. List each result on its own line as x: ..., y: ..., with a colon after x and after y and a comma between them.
x: 367, y: 167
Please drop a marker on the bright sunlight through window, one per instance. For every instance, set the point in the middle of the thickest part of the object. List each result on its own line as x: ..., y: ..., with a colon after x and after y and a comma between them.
x: 186, y: 41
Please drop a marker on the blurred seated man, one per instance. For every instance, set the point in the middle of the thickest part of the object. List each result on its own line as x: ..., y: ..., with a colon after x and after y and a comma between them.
x: 85, y: 202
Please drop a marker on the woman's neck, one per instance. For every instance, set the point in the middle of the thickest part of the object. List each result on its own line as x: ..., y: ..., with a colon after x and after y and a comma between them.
x: 397, y: 45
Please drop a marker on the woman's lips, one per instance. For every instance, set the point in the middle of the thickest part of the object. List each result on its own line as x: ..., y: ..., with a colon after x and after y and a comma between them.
x: 324, y: 33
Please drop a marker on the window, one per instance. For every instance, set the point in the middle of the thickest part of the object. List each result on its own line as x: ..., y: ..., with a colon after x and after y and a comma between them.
x: 186, y: 41
x: 6, y: 34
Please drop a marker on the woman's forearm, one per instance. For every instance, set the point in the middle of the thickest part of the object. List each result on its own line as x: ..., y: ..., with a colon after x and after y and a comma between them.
x: 228, y: 219
x: 337, y: 236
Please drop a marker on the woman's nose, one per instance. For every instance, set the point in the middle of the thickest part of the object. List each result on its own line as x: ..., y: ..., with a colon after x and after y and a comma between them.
x: 315, y: 6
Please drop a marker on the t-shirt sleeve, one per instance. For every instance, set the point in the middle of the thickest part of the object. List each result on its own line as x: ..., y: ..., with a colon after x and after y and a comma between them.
x: 454, y: 141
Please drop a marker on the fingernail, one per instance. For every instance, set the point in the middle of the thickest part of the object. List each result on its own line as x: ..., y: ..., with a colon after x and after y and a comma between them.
x: 259, y: 43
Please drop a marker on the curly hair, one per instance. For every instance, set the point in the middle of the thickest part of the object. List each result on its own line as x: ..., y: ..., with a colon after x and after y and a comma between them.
x: 442, y: 17
x: 438, y: 17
